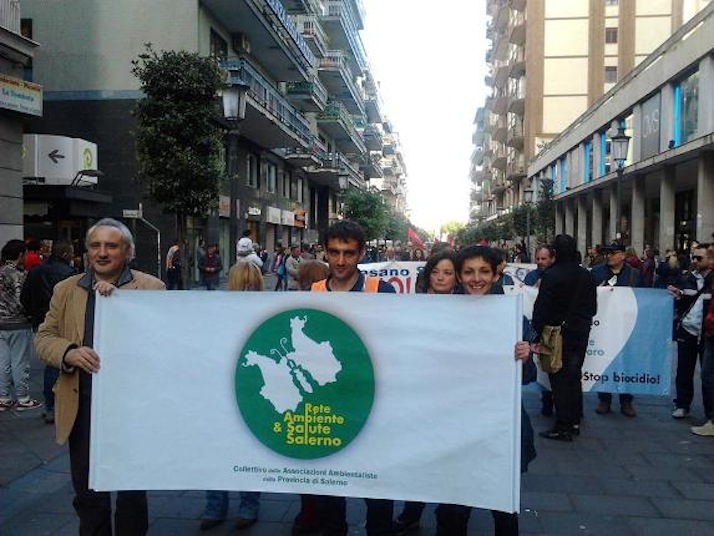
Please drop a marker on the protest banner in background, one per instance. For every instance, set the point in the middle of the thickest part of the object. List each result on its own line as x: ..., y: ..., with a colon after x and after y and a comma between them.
x: 402, y: 275
x: 630, y: 348
x: 350, y: 394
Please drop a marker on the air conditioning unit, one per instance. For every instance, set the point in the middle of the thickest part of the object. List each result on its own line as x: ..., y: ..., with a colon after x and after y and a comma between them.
x: 241, y: 43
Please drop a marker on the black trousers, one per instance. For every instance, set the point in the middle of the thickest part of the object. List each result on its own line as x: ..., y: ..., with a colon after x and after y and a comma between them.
x: 94, y: 508
x: 567, y: 388
x: 453, y: 520
x: 688, y: 349
x: 332, y: 514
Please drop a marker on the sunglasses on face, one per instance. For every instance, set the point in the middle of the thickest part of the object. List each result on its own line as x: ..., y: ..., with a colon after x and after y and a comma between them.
x: 697, y: 257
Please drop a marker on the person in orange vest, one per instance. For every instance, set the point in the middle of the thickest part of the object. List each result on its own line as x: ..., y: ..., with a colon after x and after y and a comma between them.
x: 345, y: 243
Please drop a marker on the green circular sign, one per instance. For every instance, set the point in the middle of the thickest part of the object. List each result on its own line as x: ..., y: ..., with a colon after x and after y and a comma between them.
x: 304, y: 383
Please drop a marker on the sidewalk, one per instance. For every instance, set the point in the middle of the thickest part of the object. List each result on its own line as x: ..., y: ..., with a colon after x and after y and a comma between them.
x: 646, y: 476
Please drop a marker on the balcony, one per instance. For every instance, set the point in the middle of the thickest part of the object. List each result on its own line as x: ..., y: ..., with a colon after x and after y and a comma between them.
x: 500, y: 18
x: 478, y: 137
x: 336, y: 122
x: 480, y: 115
x: 498, y: 187
x: 500, y: 106
x: 301, y: 6
x: 273, y: 36
x: 308, y: 157
x: 373, y: 138
x: 501, y: 71
x: 518, y: 29
x: 10, y: 15
x: 518, y: 5
x: 500, y: 49
x: 342, y: 25
x: 373, y: 110
x: 517, y: 105
x: 371, y: 166
x: 313, y: 33
x: 499, y: 162
x: 477, y: 156
x: 307, y: 96
x: 517, y: 65
x: 516, y: 170
x: 271, y: 121
x: 515, y: 136
x: 499, y: 131
x: 334, y: 166
x: 339, y: 81
x: 389, y: 147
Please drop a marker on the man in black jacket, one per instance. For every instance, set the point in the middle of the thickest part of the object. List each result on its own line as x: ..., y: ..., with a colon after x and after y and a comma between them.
x: 35, y: 298
x: 567, y: 296
x: 616, y: 273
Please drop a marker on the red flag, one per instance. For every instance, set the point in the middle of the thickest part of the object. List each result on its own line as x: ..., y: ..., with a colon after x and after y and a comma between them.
x: 414, y: 239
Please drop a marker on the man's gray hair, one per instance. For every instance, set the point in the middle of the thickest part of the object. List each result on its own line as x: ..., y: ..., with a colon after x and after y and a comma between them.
x: 123, y: 229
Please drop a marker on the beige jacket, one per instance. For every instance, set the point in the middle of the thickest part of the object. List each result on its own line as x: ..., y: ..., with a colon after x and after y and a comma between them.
x: 64, y: 327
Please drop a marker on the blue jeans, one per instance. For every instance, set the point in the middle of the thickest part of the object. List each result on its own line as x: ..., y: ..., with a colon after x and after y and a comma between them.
x: 15, y: 352
x: 708, y: 377
x: 217, y: 505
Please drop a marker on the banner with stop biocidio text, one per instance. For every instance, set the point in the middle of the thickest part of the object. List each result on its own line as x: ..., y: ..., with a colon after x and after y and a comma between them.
x: 630, y: 348
x: 407, y: 397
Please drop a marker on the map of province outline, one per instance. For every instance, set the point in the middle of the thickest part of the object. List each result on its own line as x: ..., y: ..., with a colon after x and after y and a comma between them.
x: 285, y: 379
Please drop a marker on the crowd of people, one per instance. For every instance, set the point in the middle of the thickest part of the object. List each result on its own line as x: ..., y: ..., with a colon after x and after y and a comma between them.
x: 52, y: 302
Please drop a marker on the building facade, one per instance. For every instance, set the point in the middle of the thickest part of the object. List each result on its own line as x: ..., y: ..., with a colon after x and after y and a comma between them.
x: 665, y: 192
x: 312, y: 126
x: 549, y: 61
x: 20, y: 100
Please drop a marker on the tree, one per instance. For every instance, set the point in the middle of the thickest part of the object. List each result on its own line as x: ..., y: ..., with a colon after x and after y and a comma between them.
x: 178, y: 141
x: 367, y: 208
x: 545, y: 213
x: 452, y: 227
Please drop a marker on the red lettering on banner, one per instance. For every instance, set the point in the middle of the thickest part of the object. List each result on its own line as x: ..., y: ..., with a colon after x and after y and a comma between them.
x: 403, y: 285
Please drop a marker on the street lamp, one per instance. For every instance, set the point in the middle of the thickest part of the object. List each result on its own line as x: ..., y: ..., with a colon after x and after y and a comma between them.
x: 528, y: 199
x: 620, y: 143
x: 234, y: 104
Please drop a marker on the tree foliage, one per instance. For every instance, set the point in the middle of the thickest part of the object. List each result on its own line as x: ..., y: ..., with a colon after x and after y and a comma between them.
x: 179, y: 144
x: 367, y: 208
x: 545, y: 213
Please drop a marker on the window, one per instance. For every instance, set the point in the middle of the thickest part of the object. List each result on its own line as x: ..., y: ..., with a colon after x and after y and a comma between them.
x: 251, y: 175
x: 688, y: 105
x: 286, y: 184
x: 610, y: 35
x: 298, y: 197
x: 218, y: 45
x: 588, y: 171
x: 293, y: 189
x: 610, y: 74
x: 270, y: 177
x: 611, y: 2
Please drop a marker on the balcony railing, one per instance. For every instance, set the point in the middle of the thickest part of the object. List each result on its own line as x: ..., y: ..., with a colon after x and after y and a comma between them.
x: 343, y: 12
x: 314, y: 33
x: 315, y: 90
x: 336, y: 112
x: 335, y: 60
x: 267, y: 96
x: 287, y: 28
x: 10, y: 15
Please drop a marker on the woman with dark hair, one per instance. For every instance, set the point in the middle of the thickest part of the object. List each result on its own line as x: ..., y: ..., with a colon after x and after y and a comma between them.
x: 437, y: 277
x: 477, y: 273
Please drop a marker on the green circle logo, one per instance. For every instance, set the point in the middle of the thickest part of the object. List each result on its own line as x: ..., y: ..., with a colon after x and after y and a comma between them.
x: 304, y: 383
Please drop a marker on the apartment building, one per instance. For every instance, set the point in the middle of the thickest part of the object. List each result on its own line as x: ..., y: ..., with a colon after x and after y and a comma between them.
x: 19, y: 101
x: 662, y: 191
x: 549, y: 60
x: 312, y: 125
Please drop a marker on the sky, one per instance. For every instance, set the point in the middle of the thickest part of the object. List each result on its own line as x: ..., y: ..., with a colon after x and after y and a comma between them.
x: 428, y: 58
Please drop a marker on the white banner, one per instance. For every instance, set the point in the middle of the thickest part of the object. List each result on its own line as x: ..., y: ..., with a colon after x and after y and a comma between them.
x: 411, y: 397
x: 402, y: 275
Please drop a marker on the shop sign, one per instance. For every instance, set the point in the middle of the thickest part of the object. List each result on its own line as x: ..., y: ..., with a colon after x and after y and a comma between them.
x: 20, y: 96
x: 287, y: 218
x: 300, y: 218
x: 273, y: 215
x: 254, y: 212
x: 224, y: 206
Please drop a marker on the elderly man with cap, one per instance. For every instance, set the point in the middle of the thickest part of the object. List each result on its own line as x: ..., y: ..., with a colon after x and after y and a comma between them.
x: 616, y: 273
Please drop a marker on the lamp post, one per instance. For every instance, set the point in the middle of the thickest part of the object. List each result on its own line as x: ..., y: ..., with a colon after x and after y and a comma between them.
x: 234, y: 103
x: 528, y: 199
x: 620, y: 143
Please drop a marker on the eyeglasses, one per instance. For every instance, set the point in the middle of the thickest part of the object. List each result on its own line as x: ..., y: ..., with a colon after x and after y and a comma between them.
x: 697, y: 257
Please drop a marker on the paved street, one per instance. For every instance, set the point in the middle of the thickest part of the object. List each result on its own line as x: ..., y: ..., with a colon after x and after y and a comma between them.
x: 643, y: 476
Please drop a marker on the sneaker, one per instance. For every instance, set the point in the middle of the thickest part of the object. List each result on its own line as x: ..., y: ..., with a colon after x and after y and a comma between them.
x: 706, y: 429
x: 28, y: 404
x: 680, y: 413
x: 557, y: 435
x: 602, y: 408
x: 6, y: 404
